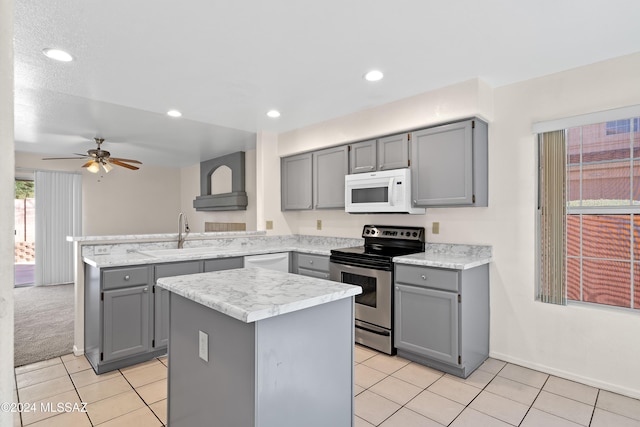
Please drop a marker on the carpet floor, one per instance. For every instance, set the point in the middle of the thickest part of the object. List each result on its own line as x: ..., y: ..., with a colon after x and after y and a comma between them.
x: 43, y: 322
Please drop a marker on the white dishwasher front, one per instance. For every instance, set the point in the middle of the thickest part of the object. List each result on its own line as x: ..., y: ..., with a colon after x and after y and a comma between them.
x: 278, y: 261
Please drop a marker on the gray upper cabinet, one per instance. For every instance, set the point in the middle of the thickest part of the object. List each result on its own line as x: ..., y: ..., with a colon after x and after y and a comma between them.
x: 296, y: 178
x: 390, y: 152
x: 393, y: 152
x: 450, y: 165
x: 363, y: 156
x: 329, y: 168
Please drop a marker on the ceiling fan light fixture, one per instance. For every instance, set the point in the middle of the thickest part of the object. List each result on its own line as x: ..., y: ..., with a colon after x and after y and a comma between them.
x: 107, y: 167
x: 57, y: 54
x: 93, y: 167
x: 174, y: 113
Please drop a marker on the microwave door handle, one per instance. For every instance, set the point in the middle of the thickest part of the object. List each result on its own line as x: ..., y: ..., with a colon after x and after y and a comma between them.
x: 390, y: 191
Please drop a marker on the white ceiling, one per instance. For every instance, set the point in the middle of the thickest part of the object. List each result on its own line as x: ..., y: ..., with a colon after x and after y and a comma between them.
x: 224, y: 64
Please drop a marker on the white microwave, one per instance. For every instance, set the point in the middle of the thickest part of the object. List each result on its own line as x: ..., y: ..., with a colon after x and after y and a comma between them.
x: 379, y: 192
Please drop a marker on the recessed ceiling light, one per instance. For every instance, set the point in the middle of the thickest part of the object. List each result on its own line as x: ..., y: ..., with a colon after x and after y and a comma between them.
x: 57, y: 54
x: 273, y: 114
x: 174, y: 113
x: 374, y: 75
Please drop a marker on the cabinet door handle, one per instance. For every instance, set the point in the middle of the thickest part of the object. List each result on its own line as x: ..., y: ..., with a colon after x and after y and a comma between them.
x: 126, y: 277
x: 424, y: 277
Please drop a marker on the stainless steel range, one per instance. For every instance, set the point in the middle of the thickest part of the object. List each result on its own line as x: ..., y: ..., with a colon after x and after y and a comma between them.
x: 371, y: 267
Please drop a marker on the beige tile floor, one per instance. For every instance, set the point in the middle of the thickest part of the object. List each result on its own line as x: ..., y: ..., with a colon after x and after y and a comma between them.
x: 389, y: 392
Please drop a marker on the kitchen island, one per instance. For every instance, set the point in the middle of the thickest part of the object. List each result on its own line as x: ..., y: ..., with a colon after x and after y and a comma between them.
x: 254, y: 347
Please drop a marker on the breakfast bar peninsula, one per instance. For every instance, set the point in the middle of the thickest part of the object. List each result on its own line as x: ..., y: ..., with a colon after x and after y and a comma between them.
x: 255, y: 347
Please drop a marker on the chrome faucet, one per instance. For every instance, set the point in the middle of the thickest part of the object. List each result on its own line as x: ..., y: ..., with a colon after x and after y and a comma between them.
x: 183, y: 226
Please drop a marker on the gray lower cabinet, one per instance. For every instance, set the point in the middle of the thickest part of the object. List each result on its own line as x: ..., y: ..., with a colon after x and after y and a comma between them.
x: 119, y: 317
x: 296, y: 182
x: 442, y: 317
x: 450, y: 165
x: 329, y: 168
x: 127, y: 316
x: 126, y: 322
x: 310, y: 265
x: 161, y: 297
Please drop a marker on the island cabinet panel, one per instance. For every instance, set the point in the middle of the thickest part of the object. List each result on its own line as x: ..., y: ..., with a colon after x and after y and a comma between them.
x: 442, y: 317
x: 161, y: 297
x: 296, y: 182
x: 450, y: 165
x: 329, y: 168
x: 291, y: 370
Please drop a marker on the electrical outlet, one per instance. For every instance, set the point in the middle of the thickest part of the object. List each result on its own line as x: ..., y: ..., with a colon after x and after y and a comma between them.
x: 203, y: 346
x: 102, y: 250
x: 319, y: 224
x: 269, y: 225
x: 435, y: 227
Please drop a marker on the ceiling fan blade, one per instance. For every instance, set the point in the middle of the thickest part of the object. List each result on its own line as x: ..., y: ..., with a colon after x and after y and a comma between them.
x: 124, y: 165
x: 125, y: 160
x: 66, y: 158
x: 86, y: 165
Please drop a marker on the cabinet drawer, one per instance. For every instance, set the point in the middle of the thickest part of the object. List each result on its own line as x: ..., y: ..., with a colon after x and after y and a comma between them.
x: 313, y: 273
x: 428, y: 277
x: 125, y: 277
x: 223, y: 264
x: 314, y: 262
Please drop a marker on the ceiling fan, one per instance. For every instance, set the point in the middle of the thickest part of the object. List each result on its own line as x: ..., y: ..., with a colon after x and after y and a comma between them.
x: 98, y: 157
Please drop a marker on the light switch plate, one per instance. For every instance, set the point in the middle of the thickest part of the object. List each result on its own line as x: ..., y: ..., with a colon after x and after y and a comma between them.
x: 102, y: 250
x: 203, y: 346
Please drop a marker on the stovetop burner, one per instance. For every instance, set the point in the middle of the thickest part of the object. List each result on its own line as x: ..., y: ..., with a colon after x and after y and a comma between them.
x: 381, y: 244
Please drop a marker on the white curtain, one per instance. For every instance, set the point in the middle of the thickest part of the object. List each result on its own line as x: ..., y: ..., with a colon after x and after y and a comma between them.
x: 58, y: 215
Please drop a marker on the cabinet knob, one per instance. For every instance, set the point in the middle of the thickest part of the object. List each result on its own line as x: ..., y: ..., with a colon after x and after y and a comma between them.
x: 397, y: 288
x: 310, y: 261
x: 126, y: 277
x: 415, y: 202
x: 424, y: 277
x: 145, y: 289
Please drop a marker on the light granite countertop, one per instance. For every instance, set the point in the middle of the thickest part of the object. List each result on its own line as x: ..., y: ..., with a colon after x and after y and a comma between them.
x: 252, y: 294
x: 172, y: 255
x: 442, y: 255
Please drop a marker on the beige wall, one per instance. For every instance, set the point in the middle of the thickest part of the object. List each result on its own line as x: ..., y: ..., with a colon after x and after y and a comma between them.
x: 6, y: 209
x: 592, y: 345
x: 146, y: 201
x: 190, y: 188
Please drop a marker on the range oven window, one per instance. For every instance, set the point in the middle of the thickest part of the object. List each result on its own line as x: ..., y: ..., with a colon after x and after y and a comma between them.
x: 370, y: 195
x: 368, y: 285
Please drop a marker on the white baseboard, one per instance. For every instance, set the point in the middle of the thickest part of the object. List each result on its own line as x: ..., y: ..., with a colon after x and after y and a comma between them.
x: 78, y: 351
x: 594, y: 382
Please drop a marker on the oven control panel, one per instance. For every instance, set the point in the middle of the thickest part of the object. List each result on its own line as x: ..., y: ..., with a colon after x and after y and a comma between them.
x: 391, y: 232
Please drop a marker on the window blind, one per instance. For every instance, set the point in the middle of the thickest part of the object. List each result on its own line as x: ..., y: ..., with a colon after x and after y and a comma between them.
x: 552, y: 217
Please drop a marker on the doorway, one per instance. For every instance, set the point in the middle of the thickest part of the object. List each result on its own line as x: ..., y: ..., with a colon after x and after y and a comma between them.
x: 24, y: 259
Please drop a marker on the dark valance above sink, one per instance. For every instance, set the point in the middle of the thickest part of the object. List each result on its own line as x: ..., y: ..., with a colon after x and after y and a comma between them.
x: 236, y: 200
